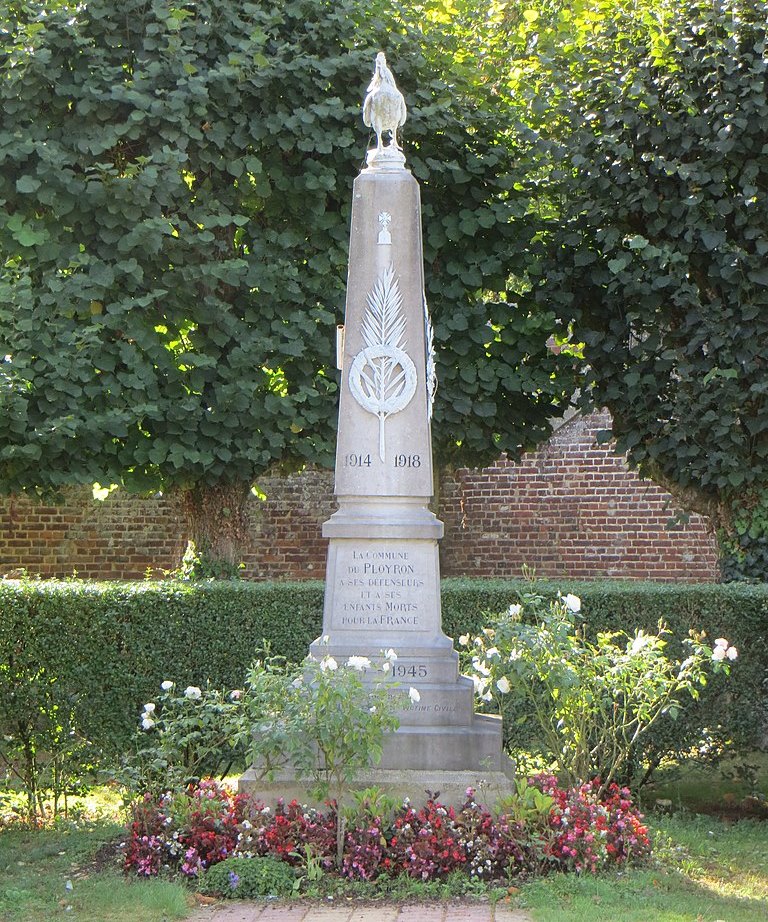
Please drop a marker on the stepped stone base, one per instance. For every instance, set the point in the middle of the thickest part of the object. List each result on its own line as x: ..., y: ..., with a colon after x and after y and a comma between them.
x: 490, y: 786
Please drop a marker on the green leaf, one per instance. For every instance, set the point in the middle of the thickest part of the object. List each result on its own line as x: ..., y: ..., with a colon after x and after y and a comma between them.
x: 637, y: 242
x: 619, y: 263
x: 27, y: 184
x: 759, y: 276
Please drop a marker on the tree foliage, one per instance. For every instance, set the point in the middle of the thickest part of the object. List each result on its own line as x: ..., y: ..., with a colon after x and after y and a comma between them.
x: 659, y: 255
x: 176, y: 186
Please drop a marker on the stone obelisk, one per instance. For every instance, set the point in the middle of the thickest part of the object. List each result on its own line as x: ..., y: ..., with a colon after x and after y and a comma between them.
x: 382, y: 579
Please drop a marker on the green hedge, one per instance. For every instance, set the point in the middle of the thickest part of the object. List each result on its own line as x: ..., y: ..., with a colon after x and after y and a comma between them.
x: 107, y: 646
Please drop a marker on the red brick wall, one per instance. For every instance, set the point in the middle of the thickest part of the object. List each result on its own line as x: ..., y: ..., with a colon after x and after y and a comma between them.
x: 570, y: 509
x: 118, y: 538
x: 287, y: 541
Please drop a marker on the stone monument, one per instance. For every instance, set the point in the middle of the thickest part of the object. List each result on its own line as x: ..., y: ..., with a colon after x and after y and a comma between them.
x: 382, y: 578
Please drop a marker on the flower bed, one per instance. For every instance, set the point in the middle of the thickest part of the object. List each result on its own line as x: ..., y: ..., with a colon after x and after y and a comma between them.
x: 545, y: 827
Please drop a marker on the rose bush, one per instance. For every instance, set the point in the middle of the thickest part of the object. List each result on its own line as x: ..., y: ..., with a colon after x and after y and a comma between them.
x: 322, y: 718
x: 592, y: 701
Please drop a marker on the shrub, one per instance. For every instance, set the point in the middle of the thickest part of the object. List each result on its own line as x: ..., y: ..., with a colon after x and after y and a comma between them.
x: 187, y: 734
x: 321, y: 718
x: 108, y: 646
x: 248, y: 878
x: 330, y: 723
x: 592, y: 702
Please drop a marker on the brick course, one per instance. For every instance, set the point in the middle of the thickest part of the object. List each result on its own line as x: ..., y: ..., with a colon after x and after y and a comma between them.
x: 569, y: 509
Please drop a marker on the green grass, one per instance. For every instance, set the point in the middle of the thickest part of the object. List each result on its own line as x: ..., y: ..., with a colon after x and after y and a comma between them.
x: 704, y: 870
x: 694, y: 787
x: 37, y: 868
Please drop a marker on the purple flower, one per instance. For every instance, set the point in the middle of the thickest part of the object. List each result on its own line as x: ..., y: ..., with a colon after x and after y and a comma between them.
x: 234, y: 880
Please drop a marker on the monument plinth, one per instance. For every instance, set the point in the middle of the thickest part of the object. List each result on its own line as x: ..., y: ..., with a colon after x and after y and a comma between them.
x: 383, y: 576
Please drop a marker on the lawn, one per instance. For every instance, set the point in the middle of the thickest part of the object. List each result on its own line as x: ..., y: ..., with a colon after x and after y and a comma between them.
x: 60, y: 874
x: 704, y: 870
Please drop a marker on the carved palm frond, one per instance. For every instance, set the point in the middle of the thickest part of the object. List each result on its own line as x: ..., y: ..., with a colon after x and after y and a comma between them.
x: 384, y: 323
x: 383, y: 377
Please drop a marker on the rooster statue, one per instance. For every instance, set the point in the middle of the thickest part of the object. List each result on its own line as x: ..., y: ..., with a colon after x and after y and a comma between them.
x: 384, y: 110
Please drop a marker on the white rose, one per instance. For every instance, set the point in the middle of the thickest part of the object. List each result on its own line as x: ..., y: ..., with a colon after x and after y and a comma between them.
x: 572, y: 603
x: 149, y: 708
x: 464, y: 640
x: 731, y: 653
x: 414, y: 695
x: 192, y: 692
x: 514, y: 611
x: 642, y: 640
x: 503, y: 685
x: 359, y: 663
x: 390, y: 655
x: 328, y: 664
x: 492, y: 651
x: 481, y: 667
x: 167, y: 685
x: 147, y: 723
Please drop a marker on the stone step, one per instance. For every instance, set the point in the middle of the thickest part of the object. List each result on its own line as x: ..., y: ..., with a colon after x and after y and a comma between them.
x: 439, y: 704
x: 472, y: 747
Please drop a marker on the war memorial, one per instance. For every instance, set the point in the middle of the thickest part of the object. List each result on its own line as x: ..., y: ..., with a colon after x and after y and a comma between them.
x: 382, y: 577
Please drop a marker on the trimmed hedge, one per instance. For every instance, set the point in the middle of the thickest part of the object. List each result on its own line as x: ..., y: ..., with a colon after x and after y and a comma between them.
x: 109, y: 645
